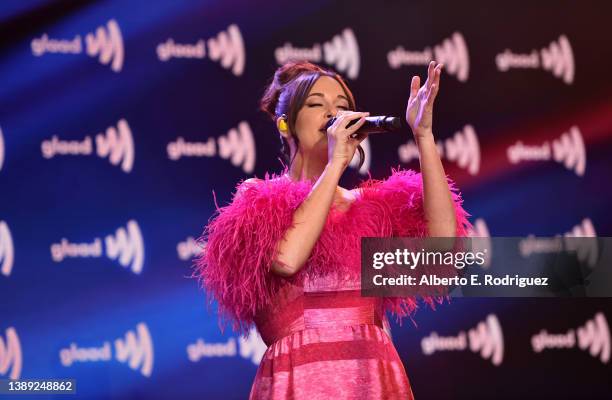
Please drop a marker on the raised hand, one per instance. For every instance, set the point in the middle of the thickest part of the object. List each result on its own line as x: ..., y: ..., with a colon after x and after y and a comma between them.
x: 419, y: 111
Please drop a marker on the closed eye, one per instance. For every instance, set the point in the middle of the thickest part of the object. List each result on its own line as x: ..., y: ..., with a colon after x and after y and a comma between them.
x: 318, y: 105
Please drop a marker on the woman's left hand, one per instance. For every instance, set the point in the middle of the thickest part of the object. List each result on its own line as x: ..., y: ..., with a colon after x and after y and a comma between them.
x: 419, y: 111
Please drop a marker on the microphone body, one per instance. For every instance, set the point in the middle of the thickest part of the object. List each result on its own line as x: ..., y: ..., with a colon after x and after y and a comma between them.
x: 372, y: 124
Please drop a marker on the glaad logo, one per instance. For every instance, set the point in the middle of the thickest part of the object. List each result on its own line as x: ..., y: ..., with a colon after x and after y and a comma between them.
x: 238, y: 146
x: 568, y: 150
x: 593, y: 336
x: 106, y: 44
x: 483, y: 240
x: 463, y: 148
x: 367, y: 158
x: 10, y: 354
x: 116, y: 143
x: 136, y: 349
x: 201, y: 349
x: 586, y: 250
x: 188, y: 249
x: 1, y: 149
x: 127, y: 246
x: 452, y: 52
x: 227, y: 47
x: 341, y: 52
x: 557, y: 58
x: 7, y: 250
x: 486, y: 338
x: 252, y: 348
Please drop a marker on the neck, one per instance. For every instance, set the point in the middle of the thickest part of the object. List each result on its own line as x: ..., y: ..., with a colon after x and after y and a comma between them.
x: 306, y: 168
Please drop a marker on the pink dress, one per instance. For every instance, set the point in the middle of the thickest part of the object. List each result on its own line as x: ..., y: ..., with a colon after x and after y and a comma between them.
x: 324, y: 340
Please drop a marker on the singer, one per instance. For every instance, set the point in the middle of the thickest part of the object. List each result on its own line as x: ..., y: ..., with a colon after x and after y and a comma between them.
x: 284, y: 256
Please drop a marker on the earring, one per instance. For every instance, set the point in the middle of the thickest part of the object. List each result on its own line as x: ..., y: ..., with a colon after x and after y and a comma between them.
x: 282, y: 124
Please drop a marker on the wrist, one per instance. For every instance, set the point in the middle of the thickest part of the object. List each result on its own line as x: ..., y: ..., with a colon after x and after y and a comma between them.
x: 335, y: 167
x: 423, y: 136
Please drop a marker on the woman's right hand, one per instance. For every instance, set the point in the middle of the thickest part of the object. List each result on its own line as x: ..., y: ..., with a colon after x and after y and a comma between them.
x: 340, y: 146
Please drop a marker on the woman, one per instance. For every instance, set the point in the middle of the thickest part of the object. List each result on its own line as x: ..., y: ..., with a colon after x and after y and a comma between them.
x: 285, y: 254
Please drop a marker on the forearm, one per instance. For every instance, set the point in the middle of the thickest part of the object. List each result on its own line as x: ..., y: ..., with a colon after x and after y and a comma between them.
x: 437, y: 199
x: 308, y: 223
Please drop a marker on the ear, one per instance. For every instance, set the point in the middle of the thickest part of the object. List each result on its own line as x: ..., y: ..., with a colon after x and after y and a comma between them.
x: 282, y: 123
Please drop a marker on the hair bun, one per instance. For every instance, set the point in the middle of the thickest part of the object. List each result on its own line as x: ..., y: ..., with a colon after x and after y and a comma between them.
x: 283, y: 76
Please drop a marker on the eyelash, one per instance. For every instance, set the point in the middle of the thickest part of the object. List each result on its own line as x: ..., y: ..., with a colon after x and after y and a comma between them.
x: 314, y: 105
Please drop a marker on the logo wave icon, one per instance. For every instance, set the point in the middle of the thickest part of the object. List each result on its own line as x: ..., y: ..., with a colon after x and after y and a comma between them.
x: 570, y: 151
x: 558, y: 58
x: 482, y: 240
x: 1, y: 149
x: 253, y: 347
x: 464, y: 149
x: 7, y: 250
x: 127, y: 246
x: 107, y: 45
x: 10, y: 354
x: 228, y: 47
x: 487, y: 339
x: 586, y: 250
x: 594, y: 336
x: 342, y: 51
x: 453, y: 53
x: 136, y: 349
x: 238, y: 146
x: 118, y: 145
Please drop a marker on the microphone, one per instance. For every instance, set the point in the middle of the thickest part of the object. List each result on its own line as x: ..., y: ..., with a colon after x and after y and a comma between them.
x: 375, y: 124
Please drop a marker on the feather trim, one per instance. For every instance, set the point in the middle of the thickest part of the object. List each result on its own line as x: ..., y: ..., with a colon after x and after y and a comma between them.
x: 239, y: 245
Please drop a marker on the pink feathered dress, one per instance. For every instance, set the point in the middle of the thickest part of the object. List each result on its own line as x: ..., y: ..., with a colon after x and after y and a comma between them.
x: 324, y: 340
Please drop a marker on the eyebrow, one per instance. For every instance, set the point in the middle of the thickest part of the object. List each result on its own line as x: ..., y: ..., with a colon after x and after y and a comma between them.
x: 321, y: 94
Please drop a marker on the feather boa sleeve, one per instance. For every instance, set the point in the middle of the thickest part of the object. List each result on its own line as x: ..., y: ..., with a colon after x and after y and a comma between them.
x: 239, y: 245
x: 403, y: 194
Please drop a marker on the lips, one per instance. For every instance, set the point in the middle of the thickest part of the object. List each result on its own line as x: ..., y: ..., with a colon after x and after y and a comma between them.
x: 324, y: 127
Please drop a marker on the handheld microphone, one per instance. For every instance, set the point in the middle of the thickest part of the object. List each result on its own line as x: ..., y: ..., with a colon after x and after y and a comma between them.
x: 375, y: 124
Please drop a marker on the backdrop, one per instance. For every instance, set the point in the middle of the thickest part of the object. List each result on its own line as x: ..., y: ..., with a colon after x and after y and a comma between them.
x: 118, y: 119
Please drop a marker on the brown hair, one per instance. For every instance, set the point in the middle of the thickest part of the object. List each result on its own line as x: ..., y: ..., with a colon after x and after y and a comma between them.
x: 287, y: 93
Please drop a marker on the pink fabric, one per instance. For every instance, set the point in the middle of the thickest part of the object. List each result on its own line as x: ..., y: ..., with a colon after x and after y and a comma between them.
x: 324, y: 339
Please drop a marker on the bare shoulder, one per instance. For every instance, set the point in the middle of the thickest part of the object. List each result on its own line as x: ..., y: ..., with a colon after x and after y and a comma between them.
x: 247, y: 183
x: 350, y: 195
x: 251, y: 181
